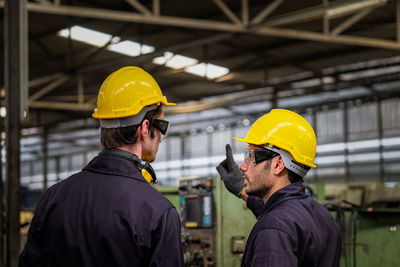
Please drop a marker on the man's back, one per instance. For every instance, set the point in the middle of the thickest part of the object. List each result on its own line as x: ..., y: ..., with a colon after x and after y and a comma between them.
x: 106, y: 215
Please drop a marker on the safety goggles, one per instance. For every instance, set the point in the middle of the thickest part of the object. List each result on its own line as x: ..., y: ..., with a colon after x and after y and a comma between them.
x: 161, y: 125
x: 258, y: 155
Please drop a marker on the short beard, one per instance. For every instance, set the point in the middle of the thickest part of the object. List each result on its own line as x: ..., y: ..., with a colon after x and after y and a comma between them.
x: 262, y: 191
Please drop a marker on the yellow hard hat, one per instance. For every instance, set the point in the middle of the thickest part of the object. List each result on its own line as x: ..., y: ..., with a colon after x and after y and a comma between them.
x: 287, y: 131
x: 126, y: 92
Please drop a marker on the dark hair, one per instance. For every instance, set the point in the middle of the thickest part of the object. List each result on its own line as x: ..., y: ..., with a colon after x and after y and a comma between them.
x: 294, y: 177
x: 115, y: 137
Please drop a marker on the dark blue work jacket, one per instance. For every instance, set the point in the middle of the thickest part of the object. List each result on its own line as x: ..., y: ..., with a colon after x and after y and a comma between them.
x: 105, y: 215
x: 292, y: 230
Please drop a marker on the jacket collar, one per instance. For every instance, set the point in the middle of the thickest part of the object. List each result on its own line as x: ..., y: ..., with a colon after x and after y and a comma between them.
x: 292, y: 191
x: 115, y: 164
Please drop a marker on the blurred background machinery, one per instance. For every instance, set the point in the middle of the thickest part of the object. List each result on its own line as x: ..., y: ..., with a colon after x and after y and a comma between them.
x: 215, y: 224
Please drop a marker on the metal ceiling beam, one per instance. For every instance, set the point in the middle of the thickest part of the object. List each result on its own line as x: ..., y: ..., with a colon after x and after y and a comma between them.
x: 398, y: 20
x: 61, y: 106
x: 351, y: 21
x: 49, y: 88
x: 332, y: 9
x: 350, y: 7
x: 81, y: 94
x: 228, y: 12
x: 107, y: 14
x: 266, y: 12
x: 156, y: 7
x: 319, y: 37
x: 213, y: 25
x: 245, y: 12
x: 139, y: 7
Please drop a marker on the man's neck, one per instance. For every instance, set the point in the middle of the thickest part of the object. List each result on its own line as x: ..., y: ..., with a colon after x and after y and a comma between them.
x: 280, y: 183
x: 134, y: 149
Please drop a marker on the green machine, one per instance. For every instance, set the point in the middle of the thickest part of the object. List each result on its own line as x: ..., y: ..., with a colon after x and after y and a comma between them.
x: 215, y: 224
x: 215, y: 227
x: 371, y: 236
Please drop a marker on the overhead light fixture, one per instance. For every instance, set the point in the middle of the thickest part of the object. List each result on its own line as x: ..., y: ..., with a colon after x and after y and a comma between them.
x: 100, y: 39
x: 3, y: 112
x: 87, y: 36
x: 208, y: 70
x: 191, y: 65
x: 175, y: 61
x: 130, y: 48
x: 163, y: 59
x: 352, y: 7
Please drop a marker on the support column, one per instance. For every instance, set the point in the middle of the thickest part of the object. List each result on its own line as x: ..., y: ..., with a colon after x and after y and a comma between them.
x: 45, y: 157
x: 2, y: 207
x: 380, y: 137
x: 346, y: 142
x: 314, y: 125
x: 15, y: 78
x: 58, y: 168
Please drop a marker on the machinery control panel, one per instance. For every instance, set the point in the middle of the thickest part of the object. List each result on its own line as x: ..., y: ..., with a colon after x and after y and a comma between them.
x: 197, y: 215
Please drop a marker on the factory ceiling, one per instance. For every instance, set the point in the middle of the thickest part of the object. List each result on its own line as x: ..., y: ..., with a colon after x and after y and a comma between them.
x: 255, y: 51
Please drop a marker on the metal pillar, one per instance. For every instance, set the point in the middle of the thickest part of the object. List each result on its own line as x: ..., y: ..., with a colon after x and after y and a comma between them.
x: 58, y: 169
x: 346, y: 142
x: 380, y: 137
x: 169, y: 157
x: 209, y: 153
x: 183, y: 155
x: 314, y: 125
x: 45, y: 157
x: 15, y: 77
x: 2, y: 208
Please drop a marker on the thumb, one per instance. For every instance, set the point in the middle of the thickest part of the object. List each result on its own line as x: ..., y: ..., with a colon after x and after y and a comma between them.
x: 222, y: 171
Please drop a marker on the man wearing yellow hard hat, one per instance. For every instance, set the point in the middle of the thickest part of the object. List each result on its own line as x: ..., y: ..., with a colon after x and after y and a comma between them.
x: 108, y: 214
x: 292, y: 229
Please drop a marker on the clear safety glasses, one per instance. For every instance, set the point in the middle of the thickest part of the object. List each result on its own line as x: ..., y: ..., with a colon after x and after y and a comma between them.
x: 255, y: 156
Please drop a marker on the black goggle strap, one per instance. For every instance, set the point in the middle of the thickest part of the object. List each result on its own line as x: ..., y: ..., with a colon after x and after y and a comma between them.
x: 261, y: 155
x: 289, y: 162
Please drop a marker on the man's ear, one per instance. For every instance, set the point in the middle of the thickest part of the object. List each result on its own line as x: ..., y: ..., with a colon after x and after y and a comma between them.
x: 277, y: 165
x: 143, y: 129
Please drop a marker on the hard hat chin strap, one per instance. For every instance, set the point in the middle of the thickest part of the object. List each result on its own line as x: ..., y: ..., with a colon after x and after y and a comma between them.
x: 127, y: 121
x: 289, y: 162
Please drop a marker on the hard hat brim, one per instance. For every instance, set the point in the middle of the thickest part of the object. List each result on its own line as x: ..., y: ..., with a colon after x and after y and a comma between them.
x: 240, y: 139
x: 168, y: 104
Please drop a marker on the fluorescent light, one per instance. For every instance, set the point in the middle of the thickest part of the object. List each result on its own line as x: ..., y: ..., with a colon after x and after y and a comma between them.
x: 3, y: 112
x: 162, y: 59
x: 86, y: 35
x: 215, y: 71
x: 179, y: 61
x: 130, y: 48
x: 100, y: 39
x: 208, y: 70
x: 199, y: 69
x: 175, y: 61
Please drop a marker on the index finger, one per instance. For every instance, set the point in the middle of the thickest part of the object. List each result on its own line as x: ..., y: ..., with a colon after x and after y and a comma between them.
x: 229, y: 155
